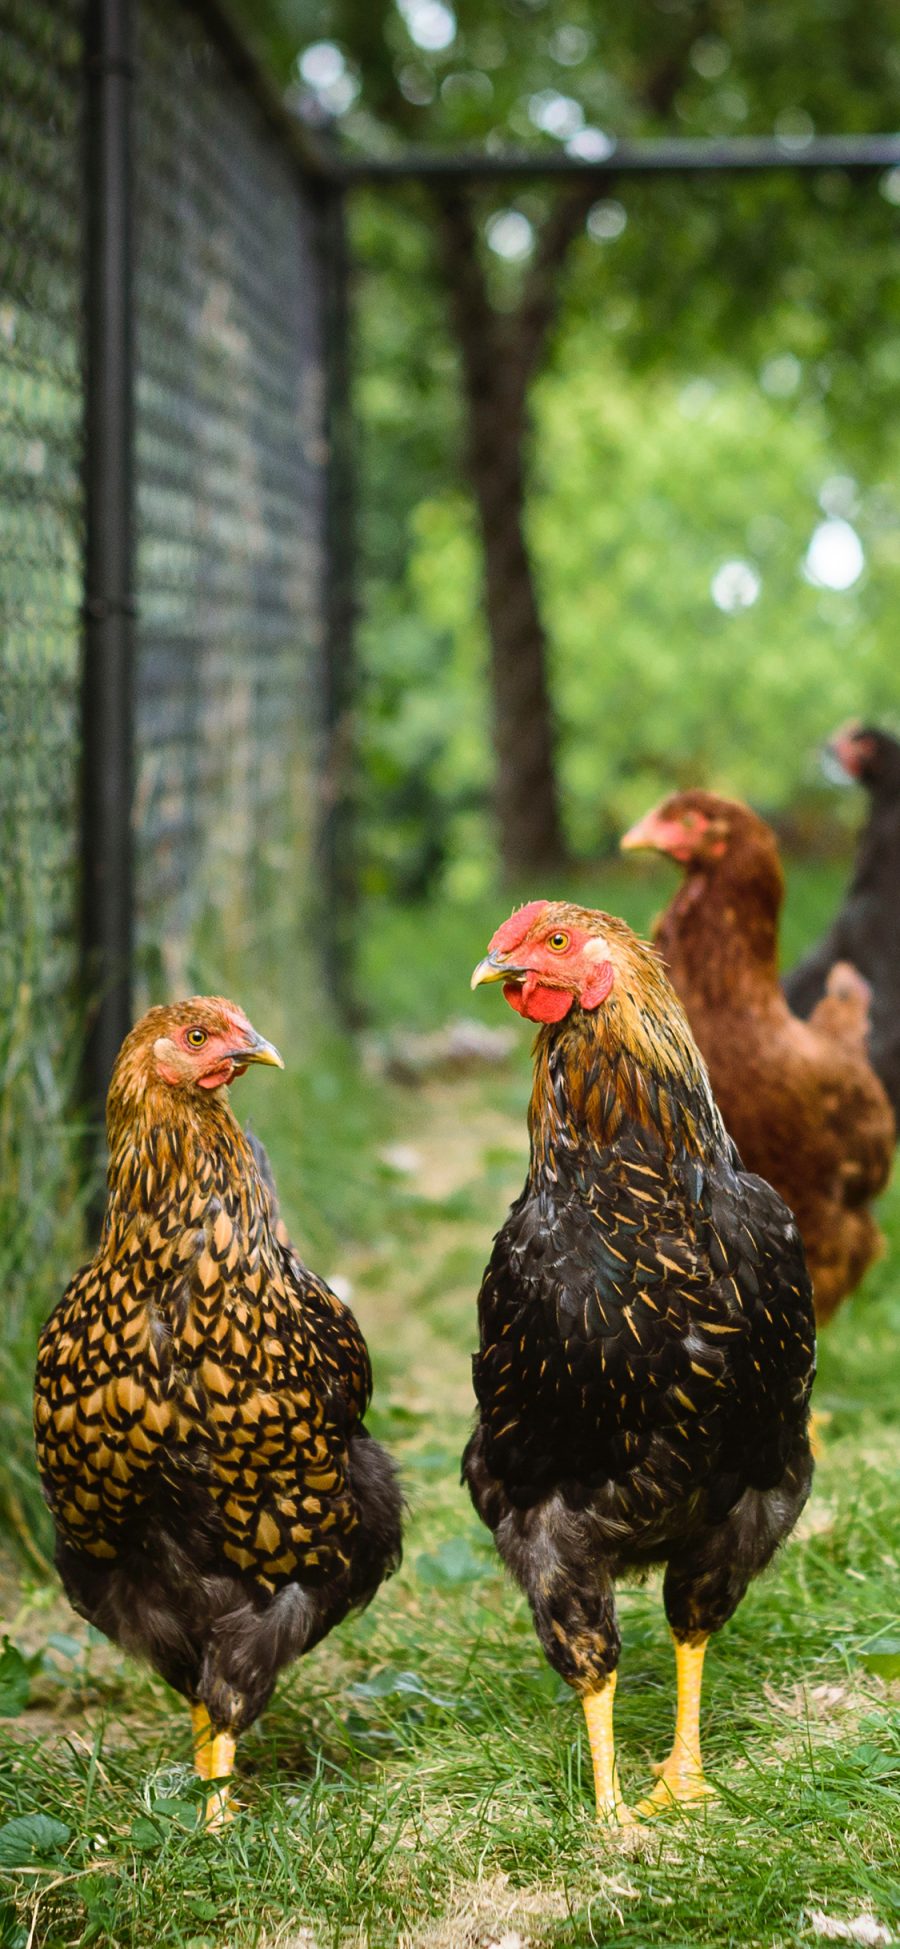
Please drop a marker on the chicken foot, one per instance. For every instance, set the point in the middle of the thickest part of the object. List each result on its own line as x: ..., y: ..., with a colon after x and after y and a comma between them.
x: 598, y: 1713
x: 214, y: 1760
x: 680, y: 1778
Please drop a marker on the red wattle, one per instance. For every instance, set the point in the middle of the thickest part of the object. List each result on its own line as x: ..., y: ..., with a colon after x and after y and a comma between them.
x: 214, y: 1078
x: 539, y: 1003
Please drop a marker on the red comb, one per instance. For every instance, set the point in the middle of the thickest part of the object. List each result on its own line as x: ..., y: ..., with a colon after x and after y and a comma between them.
x: 517, y: 926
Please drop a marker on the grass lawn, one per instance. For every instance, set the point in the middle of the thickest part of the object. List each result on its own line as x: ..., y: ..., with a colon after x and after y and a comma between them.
x: 422, y: 1778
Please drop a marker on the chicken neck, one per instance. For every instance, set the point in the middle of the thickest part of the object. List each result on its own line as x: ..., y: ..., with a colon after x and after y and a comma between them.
x: 875, y: 869
x: 719, y: 935
x: 626, y: 1064
x: 174, y: 1160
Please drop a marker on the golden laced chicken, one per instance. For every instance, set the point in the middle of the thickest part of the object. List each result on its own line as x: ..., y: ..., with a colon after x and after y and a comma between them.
x: 199, y: 1401
x: 800, y: 1099
x: 647, y: 1341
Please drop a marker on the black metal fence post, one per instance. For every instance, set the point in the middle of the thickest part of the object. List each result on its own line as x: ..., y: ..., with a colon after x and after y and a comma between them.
x: 107, y: 719
x: 339, y: 874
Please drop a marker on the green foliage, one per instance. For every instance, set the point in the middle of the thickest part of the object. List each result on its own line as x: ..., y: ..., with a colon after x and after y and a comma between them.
x: 41, y: 1197
x: 643, y: 490
x: 712, y: 69
x: 759, y: 317
x: 15, y: 1681
x: 407, y: 795
x: 30, y: 1838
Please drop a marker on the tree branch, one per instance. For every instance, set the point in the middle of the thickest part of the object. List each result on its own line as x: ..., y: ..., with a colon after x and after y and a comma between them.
x: 541, y: 297
x: 540, y: 302
x: 474, y: 320
x: 662, y: 82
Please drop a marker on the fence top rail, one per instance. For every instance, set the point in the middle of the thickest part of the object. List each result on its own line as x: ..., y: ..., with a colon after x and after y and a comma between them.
x: 298, y: 142
x: 319, y: 159
x: 858, y: 155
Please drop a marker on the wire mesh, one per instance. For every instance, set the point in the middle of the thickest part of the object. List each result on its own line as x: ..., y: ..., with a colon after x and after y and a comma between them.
x: 230, y: 504
x: 40, y: 538
x: 230, y: 473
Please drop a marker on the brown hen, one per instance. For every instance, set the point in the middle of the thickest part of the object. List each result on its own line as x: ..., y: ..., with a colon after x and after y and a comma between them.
x: 199, y: 1400
x: 800, y: 1099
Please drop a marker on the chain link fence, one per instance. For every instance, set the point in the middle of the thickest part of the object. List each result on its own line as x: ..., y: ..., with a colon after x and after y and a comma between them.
x: 230, y: 471
x: 167, y: 626
x: 41, y: 534
x: 230, y: 479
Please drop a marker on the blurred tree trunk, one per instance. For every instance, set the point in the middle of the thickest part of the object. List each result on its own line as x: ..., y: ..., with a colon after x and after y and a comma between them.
x: 499, y: 353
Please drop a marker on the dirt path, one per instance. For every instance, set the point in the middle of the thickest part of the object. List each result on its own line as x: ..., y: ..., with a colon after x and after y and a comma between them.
x: 461, y: 1161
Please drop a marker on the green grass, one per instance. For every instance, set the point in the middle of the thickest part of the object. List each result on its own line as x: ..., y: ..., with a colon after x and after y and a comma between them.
x: 422, y: 1778
x: 41, y: 1213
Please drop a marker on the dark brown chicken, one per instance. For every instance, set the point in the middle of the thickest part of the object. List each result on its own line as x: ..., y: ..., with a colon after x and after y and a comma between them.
x: 647, y: 1342
x: 799, y: 1098
x: 199, y: 1400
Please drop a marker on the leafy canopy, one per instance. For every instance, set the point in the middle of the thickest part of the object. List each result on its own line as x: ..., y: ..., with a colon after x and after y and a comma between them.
x: 727, y: 348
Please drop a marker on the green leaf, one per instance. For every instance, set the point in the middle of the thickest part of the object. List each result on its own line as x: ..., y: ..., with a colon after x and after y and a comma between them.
x: 67, y: 1646
x: 432, y: 1461
x: 381, y: 1685
x: 146, y: 1834
x: 150, y: 1830
x: 176, y: 1812
x: 389, y: 1683
x: 12, y: 1934
x: 31, y: 1837
x: 15, y: 1683
x: 885, y: 1664
x: 454, y: 1563
x: 883, y: 1657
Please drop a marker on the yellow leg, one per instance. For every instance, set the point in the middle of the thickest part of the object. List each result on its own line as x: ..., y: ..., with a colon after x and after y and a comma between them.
x: 203, y: 1733
x: 818, y: 1420
x: 598, y: 1712
x: 220, y: 1806
x: 680, y: 1778
x: 214, y: 1760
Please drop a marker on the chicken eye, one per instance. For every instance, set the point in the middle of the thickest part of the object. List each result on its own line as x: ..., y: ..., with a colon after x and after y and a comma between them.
x: 558, y: 942
x: 196, y: 1038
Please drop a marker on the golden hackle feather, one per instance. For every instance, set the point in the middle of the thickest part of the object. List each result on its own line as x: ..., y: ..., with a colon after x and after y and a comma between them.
x: 634, y: 1057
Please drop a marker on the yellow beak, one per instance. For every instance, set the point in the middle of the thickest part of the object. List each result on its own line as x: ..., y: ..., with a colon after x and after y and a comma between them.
x: 260, y: 1051
x: 641, y: 837
x: 491, y: 969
